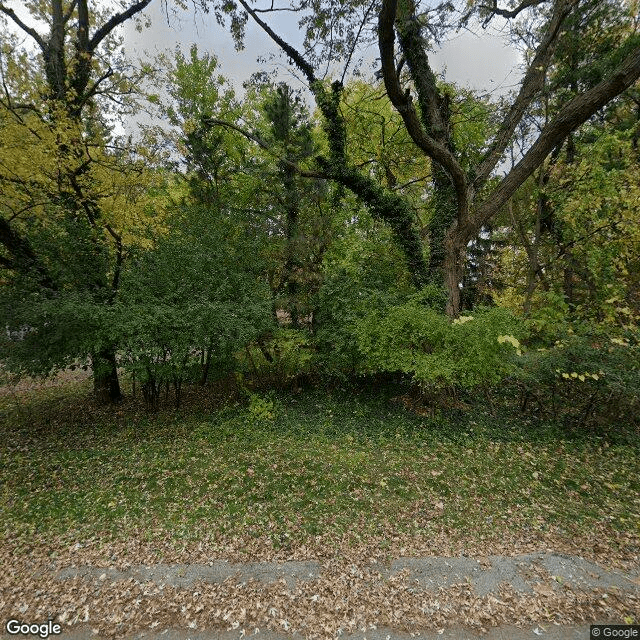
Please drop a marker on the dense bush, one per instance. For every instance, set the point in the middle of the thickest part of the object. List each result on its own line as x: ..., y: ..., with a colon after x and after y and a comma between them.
x: 473, y: 350
x: 281, y: 359
x: 364, y: 271
x: 585, y: 379
x: 190, y: 303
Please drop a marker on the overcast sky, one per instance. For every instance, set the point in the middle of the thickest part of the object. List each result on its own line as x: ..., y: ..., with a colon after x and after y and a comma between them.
x: 482, y: 62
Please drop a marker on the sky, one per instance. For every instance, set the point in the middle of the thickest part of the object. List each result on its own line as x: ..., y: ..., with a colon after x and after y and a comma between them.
x: 483, y: 62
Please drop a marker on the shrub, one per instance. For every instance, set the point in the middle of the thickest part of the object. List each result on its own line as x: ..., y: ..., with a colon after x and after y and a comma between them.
x: 280, y: 360
x: 474, y: 350
x: 585, y: 379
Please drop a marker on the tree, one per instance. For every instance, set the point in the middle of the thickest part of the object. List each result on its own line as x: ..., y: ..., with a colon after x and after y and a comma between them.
x: 557, y: 251
x: 291, y: 131
x: 53, y: 105
x: 466, y: 199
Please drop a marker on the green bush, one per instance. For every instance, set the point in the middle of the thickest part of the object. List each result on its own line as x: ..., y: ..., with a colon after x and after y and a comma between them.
x: 363, y: 270
x: 280, y: 360
x: 473, y: 350
x: 189, y: 304
x: 585, y: 379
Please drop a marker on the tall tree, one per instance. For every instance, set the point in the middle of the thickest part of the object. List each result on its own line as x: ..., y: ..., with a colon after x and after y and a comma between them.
x: 293, y: 135
x: 466, y: 198
x: 54, y: 91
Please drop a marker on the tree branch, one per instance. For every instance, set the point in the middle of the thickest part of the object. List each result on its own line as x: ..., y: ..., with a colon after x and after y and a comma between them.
x: 261, y: 143
x: 508, y: 13
x: 70, y: 10
x: 297, y: 58
x: 273, y: 9
x: 355, y: 40
x: 116, y: 20
x: 575, y: 113
x: 532, y: 83
x: 27, y: 29
x: 93, y: 90
x: 403, y: 103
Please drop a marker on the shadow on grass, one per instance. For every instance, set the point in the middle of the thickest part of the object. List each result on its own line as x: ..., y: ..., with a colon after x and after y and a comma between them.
x: 370, y: 410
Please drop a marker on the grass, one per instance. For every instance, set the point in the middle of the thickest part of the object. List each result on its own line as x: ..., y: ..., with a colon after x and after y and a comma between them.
x: 294, y: 466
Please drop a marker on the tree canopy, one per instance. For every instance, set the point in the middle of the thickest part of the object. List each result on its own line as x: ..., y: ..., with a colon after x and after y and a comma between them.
x: 399, y: 224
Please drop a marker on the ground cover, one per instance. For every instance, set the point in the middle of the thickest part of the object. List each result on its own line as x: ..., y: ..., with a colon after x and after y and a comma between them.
x: 326, y: 473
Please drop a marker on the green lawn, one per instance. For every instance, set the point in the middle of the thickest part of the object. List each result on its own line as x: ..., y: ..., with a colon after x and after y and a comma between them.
x: 294, y: 466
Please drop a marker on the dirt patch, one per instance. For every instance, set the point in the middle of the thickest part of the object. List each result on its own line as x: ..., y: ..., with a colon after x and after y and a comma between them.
x: 26, y: 385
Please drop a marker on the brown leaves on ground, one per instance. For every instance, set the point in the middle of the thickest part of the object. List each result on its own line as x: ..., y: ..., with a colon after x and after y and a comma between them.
x: 350, y: 593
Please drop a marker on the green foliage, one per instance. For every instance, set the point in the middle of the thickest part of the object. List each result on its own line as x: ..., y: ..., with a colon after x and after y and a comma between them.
x: 369, y: 322
x: 549, y: 318
x: 473, y: 350
x: 60, y: 330
x: 364, y: 270
x: 280, y: 360
x: 194, y: 296
x: 261, y: 409
x: 586, y: 379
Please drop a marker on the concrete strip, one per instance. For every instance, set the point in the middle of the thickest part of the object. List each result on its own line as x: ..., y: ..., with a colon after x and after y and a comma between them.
x: 183, y: 575
x: 522, y: 573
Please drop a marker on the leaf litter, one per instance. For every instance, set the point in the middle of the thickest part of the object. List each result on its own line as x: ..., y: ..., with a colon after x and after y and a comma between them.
x: 457, y: 514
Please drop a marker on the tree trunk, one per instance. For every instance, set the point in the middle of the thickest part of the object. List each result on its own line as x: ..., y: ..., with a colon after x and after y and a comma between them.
x: 444, y: 215
x: 106, y: 386
x: 291, y: 264
x: 453, y: 271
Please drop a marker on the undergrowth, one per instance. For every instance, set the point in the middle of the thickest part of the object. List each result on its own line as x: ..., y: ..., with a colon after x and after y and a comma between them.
x: 294, y: 465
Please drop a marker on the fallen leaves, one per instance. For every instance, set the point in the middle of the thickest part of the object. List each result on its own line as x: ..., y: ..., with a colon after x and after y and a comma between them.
x: 350, y: 502
x: 348, y: 595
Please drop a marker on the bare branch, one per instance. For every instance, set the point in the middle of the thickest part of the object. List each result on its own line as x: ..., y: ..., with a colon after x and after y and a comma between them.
x: 26, y: 28
x: 273, y: 9
x: 400, y: 187
x: 116, y: 20
x: 93, y: 90
x: 508, y: 13
x: 532, y: 83
x: 355, y: 40
x: 297, y: 58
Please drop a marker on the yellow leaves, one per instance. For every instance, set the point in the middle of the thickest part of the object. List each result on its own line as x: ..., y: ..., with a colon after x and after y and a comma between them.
x: 574, y: 375
x: 511, y: 340
x: 190, y: 126
x: 462, y: 319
